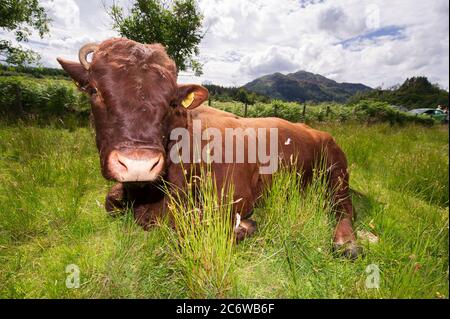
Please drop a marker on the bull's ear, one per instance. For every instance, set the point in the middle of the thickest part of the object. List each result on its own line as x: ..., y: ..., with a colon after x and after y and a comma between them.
x: 77, y: 72
x: 191, y: 95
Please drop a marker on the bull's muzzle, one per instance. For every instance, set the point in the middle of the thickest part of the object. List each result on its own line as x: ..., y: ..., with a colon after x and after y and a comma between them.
x: 136, y: 165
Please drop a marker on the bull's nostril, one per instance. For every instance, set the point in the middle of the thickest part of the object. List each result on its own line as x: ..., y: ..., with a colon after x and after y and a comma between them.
x: 155, y: 164
x: 122, y: 164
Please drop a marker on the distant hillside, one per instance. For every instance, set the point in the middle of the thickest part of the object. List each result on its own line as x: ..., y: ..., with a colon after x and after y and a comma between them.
x: 416, y: 92
x: 222, y: 93
x: 304, y: 86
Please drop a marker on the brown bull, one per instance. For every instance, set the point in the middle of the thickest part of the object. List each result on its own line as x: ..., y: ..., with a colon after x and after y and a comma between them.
x: 137, y: 104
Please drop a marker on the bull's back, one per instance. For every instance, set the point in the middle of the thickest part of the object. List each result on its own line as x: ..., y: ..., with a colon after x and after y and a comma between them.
x: 295, y: 140
x: 298, y: 145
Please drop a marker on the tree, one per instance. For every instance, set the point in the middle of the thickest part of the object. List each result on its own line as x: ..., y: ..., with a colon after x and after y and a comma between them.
x: 245, y: 97
x: 173, y: 23
x: 415, y: 92
x: 21, y: 17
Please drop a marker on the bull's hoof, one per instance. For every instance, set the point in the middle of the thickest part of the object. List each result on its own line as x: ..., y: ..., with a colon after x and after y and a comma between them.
x: 349, y: 250
x: 240, y: 233
x: 246, y: 228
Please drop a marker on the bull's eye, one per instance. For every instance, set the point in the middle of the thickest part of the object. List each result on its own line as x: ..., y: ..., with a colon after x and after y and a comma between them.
x: 90, y: 89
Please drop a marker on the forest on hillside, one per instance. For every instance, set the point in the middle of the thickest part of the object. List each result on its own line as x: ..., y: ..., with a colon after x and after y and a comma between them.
x: 415, y: 92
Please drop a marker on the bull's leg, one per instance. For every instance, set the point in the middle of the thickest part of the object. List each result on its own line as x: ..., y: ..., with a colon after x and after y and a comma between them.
x: 115, y: 202
x: 242, y: 208
x: 142, y: 216
x: 344, y: 236
x: 148, y: 215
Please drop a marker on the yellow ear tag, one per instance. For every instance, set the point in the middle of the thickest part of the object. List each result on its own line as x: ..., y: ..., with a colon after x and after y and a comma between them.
x: 188, y: 100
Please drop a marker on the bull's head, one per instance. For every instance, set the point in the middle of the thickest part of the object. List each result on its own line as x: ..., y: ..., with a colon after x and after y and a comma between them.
x: 134, y: 95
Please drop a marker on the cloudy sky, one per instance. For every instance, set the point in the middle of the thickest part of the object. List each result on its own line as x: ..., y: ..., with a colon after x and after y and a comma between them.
x: 378, y: 43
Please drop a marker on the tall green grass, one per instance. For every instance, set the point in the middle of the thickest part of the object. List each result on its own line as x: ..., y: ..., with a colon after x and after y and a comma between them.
x: 296, y: 228
x: 409, y: 159
x: 202, y: 244
x: 52, y: 216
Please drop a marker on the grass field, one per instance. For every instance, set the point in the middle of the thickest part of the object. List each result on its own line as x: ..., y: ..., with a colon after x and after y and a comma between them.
x: 52, y: 217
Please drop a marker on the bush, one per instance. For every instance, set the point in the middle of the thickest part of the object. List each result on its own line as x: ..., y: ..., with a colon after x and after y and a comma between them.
x: 290, y: 111
x: 365, y: 111
x: 23, y: 97
x: 373, y: 111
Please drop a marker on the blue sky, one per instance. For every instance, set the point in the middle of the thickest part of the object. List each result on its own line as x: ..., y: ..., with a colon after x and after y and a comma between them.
x: 393, y: 33
x: 377, y: 42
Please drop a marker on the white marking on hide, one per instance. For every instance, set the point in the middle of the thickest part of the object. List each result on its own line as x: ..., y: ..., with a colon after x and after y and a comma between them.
x: 238, y: 221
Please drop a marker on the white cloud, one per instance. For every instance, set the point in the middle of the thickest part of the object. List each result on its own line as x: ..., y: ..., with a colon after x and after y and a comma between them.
x: 285, y: 36
x: 336, y: 22
x: 64, y: 13
x: 274, y: 59
x: 250, y: 38
x: 74, y: 22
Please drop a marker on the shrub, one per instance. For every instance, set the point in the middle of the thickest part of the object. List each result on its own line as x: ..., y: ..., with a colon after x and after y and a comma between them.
x: 286, y: 110
x: 23, y: 97
x: 373, y: 111
x: 365, y: 111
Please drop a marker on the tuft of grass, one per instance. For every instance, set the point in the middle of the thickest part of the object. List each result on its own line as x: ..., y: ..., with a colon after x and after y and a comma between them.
x: 202, y: 242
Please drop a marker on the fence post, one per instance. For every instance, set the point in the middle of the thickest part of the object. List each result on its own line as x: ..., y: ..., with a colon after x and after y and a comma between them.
x: 209, y: 101
x: 245, y: 109
x: 328, y: 111
x: 304, y: 112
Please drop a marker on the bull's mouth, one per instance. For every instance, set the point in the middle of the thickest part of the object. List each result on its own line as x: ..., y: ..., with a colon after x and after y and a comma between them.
x: 139, y: 185
x: 135, y: 165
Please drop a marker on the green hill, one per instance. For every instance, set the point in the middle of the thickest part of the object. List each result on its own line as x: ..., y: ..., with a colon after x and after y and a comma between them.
x: 304, y: 86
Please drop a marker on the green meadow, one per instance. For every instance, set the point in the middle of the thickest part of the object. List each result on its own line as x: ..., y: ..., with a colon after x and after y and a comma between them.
x: 52, y: 221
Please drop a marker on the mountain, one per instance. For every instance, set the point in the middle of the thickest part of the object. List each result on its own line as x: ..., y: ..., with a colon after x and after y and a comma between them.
x: 304, y: 86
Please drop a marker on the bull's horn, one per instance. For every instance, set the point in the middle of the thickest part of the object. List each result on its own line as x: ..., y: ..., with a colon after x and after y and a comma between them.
x: 84, y: 51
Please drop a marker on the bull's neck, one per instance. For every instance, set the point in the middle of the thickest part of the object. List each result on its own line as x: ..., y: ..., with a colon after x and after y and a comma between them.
x: 180, y: 119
